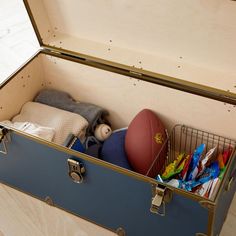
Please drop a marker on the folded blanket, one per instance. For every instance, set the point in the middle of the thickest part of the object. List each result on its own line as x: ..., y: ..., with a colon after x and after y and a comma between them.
x: 32, y: 128
x: 63, y: 122
x: 62, y: 100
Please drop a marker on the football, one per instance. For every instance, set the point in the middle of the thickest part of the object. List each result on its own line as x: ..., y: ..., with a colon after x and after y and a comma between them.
x: 144, y: 141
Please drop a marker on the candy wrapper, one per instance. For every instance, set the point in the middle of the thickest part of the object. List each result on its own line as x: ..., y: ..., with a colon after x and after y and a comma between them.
x: 175, y: 183
x: 175, y: 167
x: 214, y: 187
x: 193, y: 168
x: 184, y: 172
x: 222, y: 172
x: 208, y: 189
x: 203, y: 162
x: 204, y: 189
x: 159, y: 179
x: 221, y: 161
x: 226, y: 155
x: 210, y: 173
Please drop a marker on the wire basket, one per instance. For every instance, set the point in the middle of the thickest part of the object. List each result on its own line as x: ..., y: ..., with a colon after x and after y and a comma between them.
x: 187, y: 139
x: 184, y: 139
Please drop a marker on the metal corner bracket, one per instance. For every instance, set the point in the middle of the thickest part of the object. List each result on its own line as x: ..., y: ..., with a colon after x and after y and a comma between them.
x: 49, y: 201
x: 200, y: 234
x: 207, y: 204
x: 120, y: 231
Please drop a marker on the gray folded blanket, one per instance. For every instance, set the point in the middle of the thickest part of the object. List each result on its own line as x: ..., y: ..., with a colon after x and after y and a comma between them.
x: 62, y: 100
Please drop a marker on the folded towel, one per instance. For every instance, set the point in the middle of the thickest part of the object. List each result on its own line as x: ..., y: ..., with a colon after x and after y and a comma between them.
x: 62, y: 100
x: 63, y: 122
x: 32, y: 128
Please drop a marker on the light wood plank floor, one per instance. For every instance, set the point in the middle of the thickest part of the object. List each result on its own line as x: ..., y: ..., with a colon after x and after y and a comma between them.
x: 17, y: 39
x: 21, y: 215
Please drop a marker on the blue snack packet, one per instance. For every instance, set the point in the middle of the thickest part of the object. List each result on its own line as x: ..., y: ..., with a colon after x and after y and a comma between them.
x: 193, y: 168
x: 210, y: 172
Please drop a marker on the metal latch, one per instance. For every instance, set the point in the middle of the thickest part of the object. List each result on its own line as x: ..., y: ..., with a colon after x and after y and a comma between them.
x: 4, y: 138
x: 76, y: 170
x: 160, y: 196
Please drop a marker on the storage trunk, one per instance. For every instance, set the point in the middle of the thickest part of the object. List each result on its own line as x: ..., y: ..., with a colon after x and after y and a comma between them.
x: 126, y: 56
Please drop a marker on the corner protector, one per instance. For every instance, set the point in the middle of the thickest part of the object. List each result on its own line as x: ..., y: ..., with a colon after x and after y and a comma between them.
x: 207, y: 205
x: 120, y: 232
x: 200, y: 234
x: 49, y: 201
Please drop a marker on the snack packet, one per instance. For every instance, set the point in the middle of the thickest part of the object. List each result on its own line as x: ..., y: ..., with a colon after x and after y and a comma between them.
x: 174, y: 168
x: 193, y: 168
x: 203, y: 162
x: 221, y: 161
x: 204, y: 188
x: 175, y: 183
x: 210, y: 173
x: 226, y: 154
x: 184, y: 172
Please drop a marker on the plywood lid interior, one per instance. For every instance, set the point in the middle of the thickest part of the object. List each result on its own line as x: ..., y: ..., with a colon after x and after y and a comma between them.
x: 191, y: 40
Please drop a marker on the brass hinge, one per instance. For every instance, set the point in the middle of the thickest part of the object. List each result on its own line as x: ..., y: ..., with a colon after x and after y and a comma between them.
x: 57, y: 52
x: 50, y: 50
x: 160, y: 196
x: 135, y: 73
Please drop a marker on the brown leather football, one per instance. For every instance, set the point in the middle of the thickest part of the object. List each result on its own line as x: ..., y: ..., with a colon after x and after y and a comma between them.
x: 144, y: 140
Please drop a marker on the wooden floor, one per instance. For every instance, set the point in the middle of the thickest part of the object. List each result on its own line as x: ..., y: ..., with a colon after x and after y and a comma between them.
x: 22, y: 215
x: 17, y: 39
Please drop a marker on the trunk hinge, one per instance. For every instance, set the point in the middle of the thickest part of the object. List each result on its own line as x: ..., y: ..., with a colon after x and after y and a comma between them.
x: 160, y: 196
x: 136, y: 74
x: 50, y: 50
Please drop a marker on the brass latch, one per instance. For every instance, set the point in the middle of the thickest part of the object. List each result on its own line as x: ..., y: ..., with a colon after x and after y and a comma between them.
x: 76, y: 170
x: 4, y: 138
x: 160, y: 196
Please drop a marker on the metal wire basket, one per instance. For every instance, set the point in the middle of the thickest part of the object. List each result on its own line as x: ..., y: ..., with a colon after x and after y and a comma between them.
x: 185, y: 139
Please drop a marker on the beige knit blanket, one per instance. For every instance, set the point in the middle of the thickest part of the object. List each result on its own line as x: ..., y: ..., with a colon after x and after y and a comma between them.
x: 63, y: 122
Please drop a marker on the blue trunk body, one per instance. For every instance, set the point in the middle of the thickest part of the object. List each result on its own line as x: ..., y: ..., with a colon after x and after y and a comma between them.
x: 225, y: 200
x: 109, y: 198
